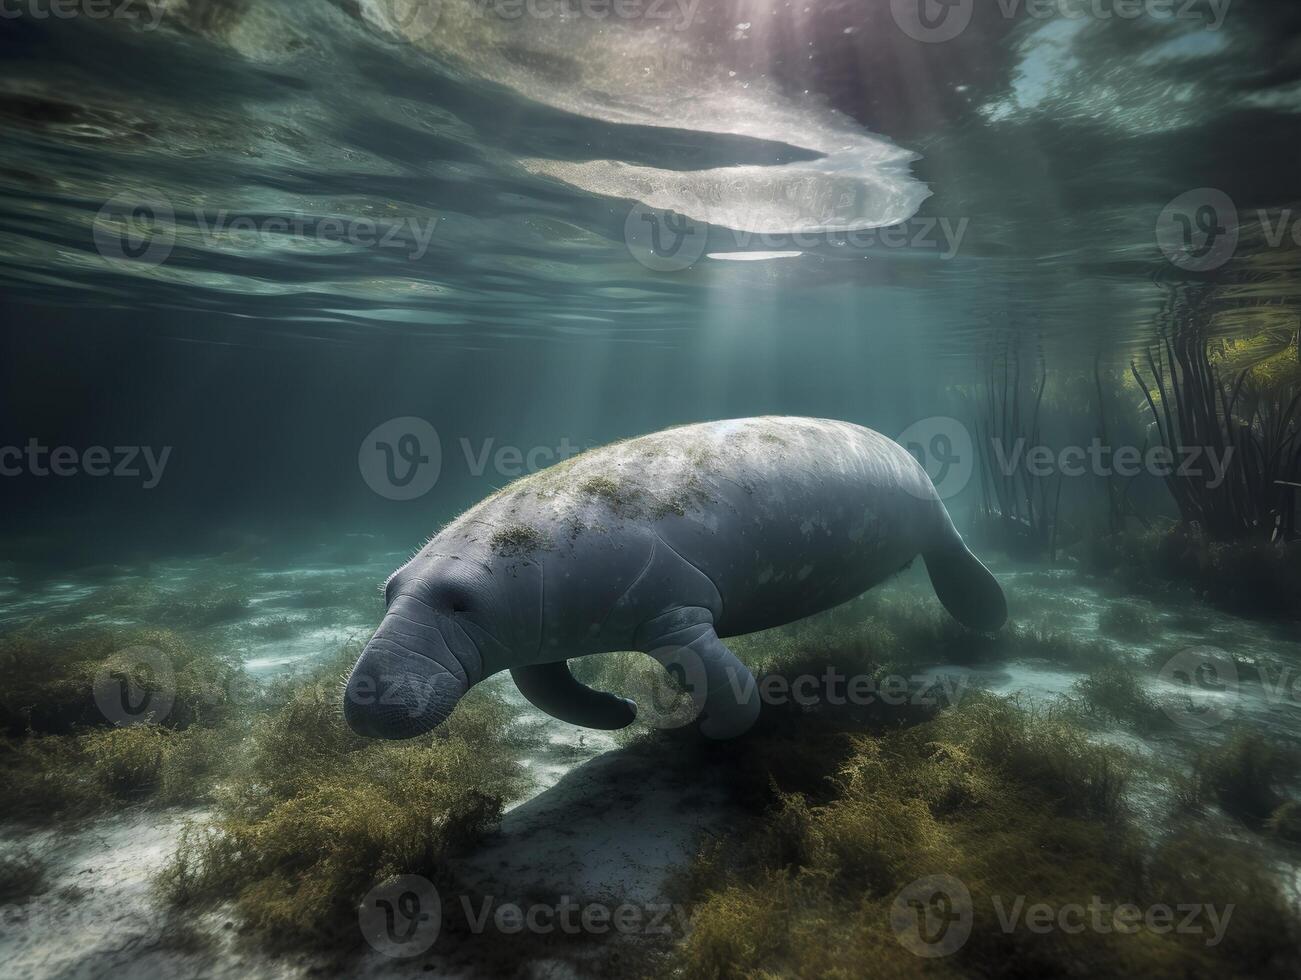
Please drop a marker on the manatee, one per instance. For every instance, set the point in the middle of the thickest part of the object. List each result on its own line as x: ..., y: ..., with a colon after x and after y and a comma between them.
x: 667, y: 544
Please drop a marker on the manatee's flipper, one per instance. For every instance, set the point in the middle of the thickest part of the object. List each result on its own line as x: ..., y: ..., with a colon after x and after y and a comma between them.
x: 722, y: 689
x: 966, y: 587
x: 553, y: 689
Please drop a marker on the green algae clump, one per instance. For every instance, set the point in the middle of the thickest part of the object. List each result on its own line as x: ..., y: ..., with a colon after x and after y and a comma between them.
x: 604, y: 487
x: 314, y: 816
x: 1245, y: 775
x: 1115, y: 693
x: 1248, y: 577
x: 1009, y: 802
x: 517, y: 540
x: 62, y: 753
x: 52, y: 677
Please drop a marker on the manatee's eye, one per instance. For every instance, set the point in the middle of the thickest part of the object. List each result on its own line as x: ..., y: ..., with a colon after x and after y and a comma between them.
x: 459, y: 605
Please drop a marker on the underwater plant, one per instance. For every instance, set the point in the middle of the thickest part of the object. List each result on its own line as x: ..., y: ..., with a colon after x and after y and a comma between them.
x: 66, y: 749
x: 1246, y: 775
x: 1285, y: 822
x: 22, y: 874
x: 1019, y: 506
x: 53, y: 676
x: 83, y: 775
x: 1126, y: 621
x: 1115, y: 693
x: 1256, y: 428
x: 1121, y: 509
x: 1249, y: 577
x: 1018, y: 808
x: 312, y: 815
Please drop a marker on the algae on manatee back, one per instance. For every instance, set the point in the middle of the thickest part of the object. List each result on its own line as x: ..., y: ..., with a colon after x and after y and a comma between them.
x: 517, y: 540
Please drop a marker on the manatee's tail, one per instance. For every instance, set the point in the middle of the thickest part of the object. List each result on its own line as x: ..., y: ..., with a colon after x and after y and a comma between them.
x: 966, y: 587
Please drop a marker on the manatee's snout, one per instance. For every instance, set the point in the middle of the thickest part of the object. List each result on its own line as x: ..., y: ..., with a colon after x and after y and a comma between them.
x: 408, y: 678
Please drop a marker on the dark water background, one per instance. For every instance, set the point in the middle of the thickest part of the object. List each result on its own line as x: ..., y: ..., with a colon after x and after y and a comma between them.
x: 529, y: 320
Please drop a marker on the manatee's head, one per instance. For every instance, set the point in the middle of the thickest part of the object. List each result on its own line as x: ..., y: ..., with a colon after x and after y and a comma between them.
x: 428, y: 651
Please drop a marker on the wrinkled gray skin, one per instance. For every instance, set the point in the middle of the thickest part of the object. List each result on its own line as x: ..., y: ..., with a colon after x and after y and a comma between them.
x: 663, y: 544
